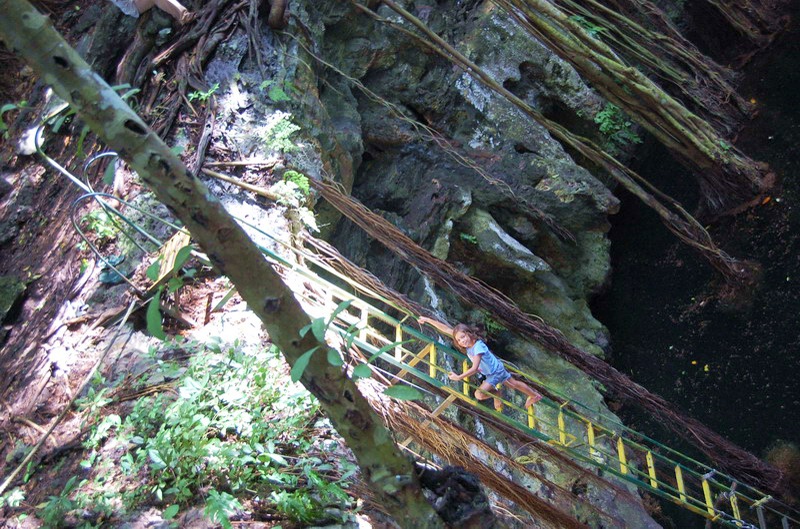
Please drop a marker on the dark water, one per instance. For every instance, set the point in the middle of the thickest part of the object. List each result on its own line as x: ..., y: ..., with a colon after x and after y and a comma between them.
x: 737, y: 370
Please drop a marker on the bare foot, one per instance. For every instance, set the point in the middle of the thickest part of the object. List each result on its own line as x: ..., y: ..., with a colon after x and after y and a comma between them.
x: 498, y: 405
x: 532, y: 400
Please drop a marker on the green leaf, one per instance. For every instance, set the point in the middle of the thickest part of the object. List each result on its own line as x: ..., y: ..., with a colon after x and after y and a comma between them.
x: 59, y: 122
x: 277, y: 458
x: 227, y: 298
x: 170, y: 512
x: 84, y: 131
x: 334, y: 358
x: 174, y: 284
x: 300, y: 365
x: 318, y: 328
x: 5, y: 108
x: 277, y: 94
x: 191, y: 388
x: 155, y: 459
x: 181, y: 257
x: 403, y: 392
x: 305, y: 330
x: 341, y: 307
x: 362, y: 371
x: 154, y: 269
x: 154, y: 326
x: 129, y: 93
x: 108, y: 175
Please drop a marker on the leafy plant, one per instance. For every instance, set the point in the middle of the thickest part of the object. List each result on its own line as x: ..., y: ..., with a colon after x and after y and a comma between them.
x: 219, y: 506
x: 8, y: 107
x: 468, y: 238
x: 201, y: 96
x: 491, y: 325
x: 299, y: 179
x: 297, y: 505
x: 275, y: 93
x: 93, y: 400
x: 615, y: 125
x: 12, y: 498
x: 221, y: 428
x: 591, y: 28
x: 277, y: 132
x: 99, y: 222
x: 53, y: 512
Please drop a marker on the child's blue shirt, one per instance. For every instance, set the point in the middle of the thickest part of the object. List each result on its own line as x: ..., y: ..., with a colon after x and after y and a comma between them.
x: 490, y: 364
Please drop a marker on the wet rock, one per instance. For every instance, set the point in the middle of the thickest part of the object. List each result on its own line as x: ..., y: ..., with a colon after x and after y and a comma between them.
x: 112, y: 33
x: 496, y: 244
x: 11, y: 290
x: 458, y: 498
x: 5, y: 187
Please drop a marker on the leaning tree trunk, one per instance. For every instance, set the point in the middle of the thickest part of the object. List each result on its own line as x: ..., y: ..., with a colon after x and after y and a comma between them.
x: 727, y: 177
x: 387, y: 472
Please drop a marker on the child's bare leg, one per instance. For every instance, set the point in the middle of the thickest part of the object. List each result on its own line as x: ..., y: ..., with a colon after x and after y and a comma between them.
x: 486, y: 391
x: 533, y: 395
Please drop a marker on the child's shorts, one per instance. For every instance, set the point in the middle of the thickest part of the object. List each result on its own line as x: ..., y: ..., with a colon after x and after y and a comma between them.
x: 495, y: 379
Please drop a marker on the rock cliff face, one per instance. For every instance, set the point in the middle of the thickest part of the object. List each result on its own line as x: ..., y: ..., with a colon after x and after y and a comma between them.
x: 481, y: 221
x: 484, y: 220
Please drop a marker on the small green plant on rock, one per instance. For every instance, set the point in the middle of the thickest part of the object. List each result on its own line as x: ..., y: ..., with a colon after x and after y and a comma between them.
x: 491, y: 325
x: 299, y: 179
x: 99, y: 222
x: 198, y: 95
x: 276, y: 133
x: 275, y: 92
x: 617, y: 127
x: 468, y: 238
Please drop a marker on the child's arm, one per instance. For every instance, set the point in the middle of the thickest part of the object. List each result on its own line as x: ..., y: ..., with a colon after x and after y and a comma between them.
x: 476, y: 364
x: 441, y: 327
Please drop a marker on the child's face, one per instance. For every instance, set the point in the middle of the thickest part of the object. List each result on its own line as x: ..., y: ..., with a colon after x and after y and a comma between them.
x: 463, y: 339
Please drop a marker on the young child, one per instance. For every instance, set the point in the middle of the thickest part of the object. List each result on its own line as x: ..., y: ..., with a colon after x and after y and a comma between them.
x: 468, y: 342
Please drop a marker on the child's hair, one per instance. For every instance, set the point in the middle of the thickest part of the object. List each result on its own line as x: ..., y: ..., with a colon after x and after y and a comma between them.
x: 471, y: 331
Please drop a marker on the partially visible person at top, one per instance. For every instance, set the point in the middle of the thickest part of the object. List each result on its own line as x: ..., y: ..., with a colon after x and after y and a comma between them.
x: 483, y: 360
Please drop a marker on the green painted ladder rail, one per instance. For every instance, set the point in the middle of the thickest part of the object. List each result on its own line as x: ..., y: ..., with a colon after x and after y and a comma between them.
x: 595, y: 440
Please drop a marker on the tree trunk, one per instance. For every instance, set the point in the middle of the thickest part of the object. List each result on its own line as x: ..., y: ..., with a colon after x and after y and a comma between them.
x: 386, y: 471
